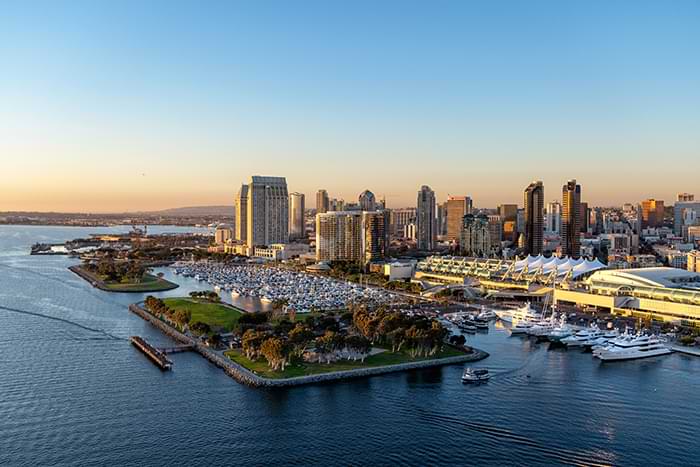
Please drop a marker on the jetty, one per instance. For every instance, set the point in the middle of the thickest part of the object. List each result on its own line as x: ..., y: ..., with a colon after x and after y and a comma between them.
x: 158, y: 356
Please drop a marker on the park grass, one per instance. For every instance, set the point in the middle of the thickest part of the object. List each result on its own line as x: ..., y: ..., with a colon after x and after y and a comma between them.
x: 261, y: 368
x: 149, y: 283
x: 216, y: 315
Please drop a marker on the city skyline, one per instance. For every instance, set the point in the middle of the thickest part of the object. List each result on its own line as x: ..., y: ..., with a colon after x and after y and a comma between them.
x: 133, y: 107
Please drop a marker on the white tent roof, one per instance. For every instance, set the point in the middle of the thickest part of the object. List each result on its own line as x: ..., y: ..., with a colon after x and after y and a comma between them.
x: 580, y: 266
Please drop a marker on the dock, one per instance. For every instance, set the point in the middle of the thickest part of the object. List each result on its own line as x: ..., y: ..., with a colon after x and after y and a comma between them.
x: 694, y: 351
x: 156, y: 355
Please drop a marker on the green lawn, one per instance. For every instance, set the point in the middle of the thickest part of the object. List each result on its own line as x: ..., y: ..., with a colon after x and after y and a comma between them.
x: 261, y: 368
x: 216, y: 315
x: 149, y: 283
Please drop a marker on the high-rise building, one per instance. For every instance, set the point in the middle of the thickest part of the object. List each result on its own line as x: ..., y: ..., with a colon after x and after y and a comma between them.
x: 339, y: 236
x: 399, y: 218
x: 457, y: 208
x: 426, y: 219
x: 685, y: 197
x: 375, y: 235
x: 553, y: 218
x: 652, y: 213
x: 367, y: 201
x: 510, y: 231
x: 534, y: 218
x: 496, y: 231
x: 685, y: 214
x: 570, y: 219
x: 322, y: 202
x: 694, y: 261
x: 241, y: 232
x: 583, y: 217
x: 442, y: 219
x: 268, y: 211
x: 508, y: 212
x: 297, y: 208
x: 475, y: 237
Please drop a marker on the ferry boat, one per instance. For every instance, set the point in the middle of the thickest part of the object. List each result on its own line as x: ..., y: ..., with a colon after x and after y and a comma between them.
x: 631, y: 348
x: 475, y: 376
x: 523, y: 313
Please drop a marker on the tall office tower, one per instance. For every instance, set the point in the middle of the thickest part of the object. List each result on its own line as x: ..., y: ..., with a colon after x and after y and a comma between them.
x: 399, y: 219
x: 685, y: 197
x: 442, y: 219
x: 241, y: 233
x: 457, y: 208
x: 382, y: 203
x: 685, y: 214
x: 508, y: 212
x: 339, y: 236
x: 322, y: 202
x: 553, y: 218
x: 652, y: 213
x: 268, y: 211
x: 426, y: 219
x: 583, y: 217
x: 367, y: 201
x: 570, y: 219
x: 596, y: 221
x: 533, y: 228
x: 475, y: 237
x: 375, y: 235
x: 297, y: 207
x: 495, y: 231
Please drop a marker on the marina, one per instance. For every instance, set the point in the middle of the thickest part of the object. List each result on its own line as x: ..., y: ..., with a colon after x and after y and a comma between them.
x: 301, y: 292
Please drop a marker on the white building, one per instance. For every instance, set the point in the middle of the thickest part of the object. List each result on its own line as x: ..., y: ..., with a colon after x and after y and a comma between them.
x: 281, y: 251
x: 552, y: 218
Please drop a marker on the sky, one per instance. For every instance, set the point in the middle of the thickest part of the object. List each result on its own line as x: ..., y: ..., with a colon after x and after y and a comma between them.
x: 133, y: 105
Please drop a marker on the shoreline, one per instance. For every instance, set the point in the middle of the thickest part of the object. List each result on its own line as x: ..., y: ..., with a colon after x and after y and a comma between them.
x: 98, y: 284
x: 247, y: 377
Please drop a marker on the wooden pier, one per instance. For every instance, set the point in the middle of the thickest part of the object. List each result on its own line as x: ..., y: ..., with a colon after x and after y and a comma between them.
x: 156, y: 355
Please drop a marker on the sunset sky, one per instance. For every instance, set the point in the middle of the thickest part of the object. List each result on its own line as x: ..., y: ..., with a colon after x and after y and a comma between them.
x: 140, y: 105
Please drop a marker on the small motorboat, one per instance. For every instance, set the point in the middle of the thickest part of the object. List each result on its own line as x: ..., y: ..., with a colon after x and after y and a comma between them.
x: 471, y: 375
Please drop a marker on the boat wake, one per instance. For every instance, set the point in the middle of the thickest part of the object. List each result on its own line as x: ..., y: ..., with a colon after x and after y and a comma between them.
x: 542, y: 450
x: 63, y: 320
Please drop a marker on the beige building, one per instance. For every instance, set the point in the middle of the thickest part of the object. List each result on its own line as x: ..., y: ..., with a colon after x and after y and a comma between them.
x: 241, y: 231
x: 268, y: 211
x: 457, y: 208
x: 297, y: 207
x: 339, y: 236
x: 694, y: 261
x: 223, y: 234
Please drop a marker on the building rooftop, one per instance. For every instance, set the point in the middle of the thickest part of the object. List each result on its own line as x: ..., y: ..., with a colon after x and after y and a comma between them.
x: 649, y: 277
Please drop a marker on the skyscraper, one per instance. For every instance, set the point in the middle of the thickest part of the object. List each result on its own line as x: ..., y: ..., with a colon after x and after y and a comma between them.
x: 553, y: 218
x: 399, y: 219
x: 442, y: 219
x: 570, y: 219
x: 296, y: 215
x: 375, y: 235
x: 322, y: 201
x: 339, y: 236
x: 652, y: 213
x: 268, y: 211
x: 457, y: 208
x: 534, y: 218
x: 241, y: 232
x: 367, y: 201
x: 475, y: 237
x: 426, y: 219
x: 583, y: 217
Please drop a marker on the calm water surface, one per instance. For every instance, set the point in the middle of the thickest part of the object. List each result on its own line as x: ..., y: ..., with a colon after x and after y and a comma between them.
x: 73, y: 391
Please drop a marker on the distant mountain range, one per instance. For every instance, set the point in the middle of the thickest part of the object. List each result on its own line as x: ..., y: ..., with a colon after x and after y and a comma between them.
x: 194, y: 211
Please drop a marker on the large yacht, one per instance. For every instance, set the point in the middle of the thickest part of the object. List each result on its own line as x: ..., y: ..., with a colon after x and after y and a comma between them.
x: 523, y: 313
x: 631, y: 347
x: 580, y: 338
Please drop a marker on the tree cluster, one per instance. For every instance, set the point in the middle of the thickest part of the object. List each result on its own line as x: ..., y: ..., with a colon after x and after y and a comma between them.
x: 117, y: 271
x: 419, y: 335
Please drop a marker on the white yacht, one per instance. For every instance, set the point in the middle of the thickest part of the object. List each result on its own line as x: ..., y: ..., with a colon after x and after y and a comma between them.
x: 581, y: 337
x: 486, y: 314
x: 561, y: 331
x: 521, y: 327
x: 631, y: 347
x: 523, y: 313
